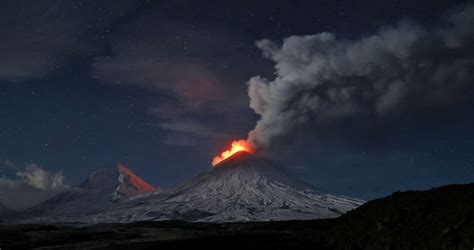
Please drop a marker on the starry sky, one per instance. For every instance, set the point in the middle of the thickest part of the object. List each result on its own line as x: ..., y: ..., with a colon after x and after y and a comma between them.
x: 162, y: 87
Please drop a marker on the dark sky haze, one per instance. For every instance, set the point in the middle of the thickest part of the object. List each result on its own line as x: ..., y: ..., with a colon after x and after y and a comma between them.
x: 162, y: 87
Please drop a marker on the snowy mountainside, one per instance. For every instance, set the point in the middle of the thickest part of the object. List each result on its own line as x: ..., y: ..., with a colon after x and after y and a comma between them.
x: 240, y: 188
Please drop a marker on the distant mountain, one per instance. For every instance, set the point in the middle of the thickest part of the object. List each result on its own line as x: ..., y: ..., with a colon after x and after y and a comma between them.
x: 240, y: 188
x: 5, y: 211
x: 104, y: 188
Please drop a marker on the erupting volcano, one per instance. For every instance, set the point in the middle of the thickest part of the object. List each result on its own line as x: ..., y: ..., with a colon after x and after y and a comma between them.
x: 236, y: 146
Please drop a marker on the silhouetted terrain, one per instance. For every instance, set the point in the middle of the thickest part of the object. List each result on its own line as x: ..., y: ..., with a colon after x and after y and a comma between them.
x: 441, y: 218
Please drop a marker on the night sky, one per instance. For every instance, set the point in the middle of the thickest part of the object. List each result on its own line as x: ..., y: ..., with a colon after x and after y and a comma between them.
x: 162, y: 87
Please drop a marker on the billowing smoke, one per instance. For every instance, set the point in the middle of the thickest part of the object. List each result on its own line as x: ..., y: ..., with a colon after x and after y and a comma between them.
x: 321, y: 79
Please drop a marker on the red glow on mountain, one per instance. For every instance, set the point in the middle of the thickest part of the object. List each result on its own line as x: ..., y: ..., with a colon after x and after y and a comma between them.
x: 236, y: 146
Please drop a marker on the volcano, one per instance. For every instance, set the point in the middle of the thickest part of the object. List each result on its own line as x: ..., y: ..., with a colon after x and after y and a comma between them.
x: 245, y: 188
x: 104, y: 188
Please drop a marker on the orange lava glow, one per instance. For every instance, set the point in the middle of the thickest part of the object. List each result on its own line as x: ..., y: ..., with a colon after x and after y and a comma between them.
x: 240, y: 145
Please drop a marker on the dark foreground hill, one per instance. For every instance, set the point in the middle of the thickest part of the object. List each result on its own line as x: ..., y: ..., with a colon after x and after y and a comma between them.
x: 441, y: 218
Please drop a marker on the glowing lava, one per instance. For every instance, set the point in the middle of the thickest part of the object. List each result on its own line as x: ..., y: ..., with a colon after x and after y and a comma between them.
x: 240, y: 145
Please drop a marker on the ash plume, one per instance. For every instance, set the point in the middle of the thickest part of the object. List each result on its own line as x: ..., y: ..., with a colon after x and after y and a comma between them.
x: 321, y: 80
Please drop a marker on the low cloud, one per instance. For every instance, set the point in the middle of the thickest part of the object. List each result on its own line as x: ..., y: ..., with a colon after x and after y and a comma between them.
x: 32, y: 186
x: 321, y: 80
x: 40, y: 178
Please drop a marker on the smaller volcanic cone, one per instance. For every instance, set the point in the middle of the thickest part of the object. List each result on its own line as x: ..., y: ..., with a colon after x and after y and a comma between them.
x: 102, y: 189
x: 236, y: 146
x: 117, y: 180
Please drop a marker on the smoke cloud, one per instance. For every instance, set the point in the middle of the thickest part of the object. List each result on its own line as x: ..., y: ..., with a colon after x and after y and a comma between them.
x: 402, y: 68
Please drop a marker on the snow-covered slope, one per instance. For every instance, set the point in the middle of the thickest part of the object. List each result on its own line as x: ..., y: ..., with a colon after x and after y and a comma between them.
x: 244, y: 188
x: 240, y: 188
x: 104, y: 188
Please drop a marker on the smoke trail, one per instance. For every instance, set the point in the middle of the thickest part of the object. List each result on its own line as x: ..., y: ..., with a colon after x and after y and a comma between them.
x: 321, y: 80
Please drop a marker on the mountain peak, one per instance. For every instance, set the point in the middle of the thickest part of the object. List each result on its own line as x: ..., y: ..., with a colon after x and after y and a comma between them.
x: 118, y: 178
x: 104, y: 188
x: 239, y: 158
x: 246, y: 169
x: 130, y: 183
x: 101, y: 179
